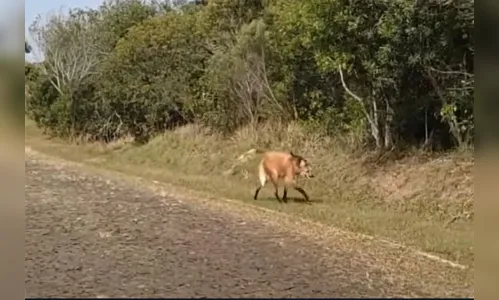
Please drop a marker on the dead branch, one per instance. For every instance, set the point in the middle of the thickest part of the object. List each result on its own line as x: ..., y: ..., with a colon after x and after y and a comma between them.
x: 451, y: 72
x: 356, y: 97
x: 372, y: 122
x: 68, y: 51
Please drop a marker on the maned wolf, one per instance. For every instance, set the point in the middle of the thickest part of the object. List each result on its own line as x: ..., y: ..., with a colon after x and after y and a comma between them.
x: 276, y: 165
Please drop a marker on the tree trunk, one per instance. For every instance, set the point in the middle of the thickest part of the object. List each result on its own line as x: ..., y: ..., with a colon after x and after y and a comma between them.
x: 375, y: 130
x: 388, y: 139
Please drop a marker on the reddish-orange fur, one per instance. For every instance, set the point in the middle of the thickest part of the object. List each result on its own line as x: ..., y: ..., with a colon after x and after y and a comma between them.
x: 275, y: 166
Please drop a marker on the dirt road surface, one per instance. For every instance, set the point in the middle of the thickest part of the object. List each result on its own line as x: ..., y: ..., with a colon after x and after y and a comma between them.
x: 88, y: 235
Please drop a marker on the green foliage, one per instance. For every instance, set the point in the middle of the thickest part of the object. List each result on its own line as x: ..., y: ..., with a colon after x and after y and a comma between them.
x: 407, y: 69
x: 42, y: 97
x: 64, y: 100
x: 150, y: 81
x: 294, y: 70
x: 385, y: 49
x: 236, y: 90
x: 115, y: 17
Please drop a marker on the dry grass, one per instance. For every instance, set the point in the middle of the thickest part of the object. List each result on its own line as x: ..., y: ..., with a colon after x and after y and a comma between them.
x: 425, y: 202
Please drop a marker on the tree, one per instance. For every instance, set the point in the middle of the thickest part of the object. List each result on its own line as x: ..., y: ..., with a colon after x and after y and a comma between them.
x: 74, y: 46
x: 68, y: 44
x: 116, y: 17
x: 236, y: 89
x: 150, y: 80
x: 388, y: 73
x: 379, y: 53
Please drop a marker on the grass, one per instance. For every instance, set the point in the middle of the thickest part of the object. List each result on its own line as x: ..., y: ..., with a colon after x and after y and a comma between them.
x: 418, y: 201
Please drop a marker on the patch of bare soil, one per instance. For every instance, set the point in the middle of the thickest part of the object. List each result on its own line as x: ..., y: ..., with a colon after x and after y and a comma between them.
x: 448, y: 179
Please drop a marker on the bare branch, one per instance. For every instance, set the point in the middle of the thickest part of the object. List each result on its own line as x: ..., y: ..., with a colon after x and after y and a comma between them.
x: 67, y: 47
x: 373, y: 120
x: 346, y: 87
x: 451, y: 72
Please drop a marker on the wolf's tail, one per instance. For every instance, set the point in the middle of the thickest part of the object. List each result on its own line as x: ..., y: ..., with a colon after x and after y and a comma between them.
x: 242, y: 159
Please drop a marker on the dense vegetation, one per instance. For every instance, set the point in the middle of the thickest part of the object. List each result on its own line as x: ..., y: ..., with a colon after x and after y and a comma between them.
x: 393, y: 73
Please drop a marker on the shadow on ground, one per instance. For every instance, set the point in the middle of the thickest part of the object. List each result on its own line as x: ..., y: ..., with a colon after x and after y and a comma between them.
x: 291, y: 199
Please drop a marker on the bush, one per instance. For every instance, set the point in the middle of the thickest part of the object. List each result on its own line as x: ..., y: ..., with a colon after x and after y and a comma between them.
x: 151, y: 79
x: 392, y: 74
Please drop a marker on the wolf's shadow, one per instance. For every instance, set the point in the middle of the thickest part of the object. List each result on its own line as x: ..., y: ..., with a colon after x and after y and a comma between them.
x: 293, y: 200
